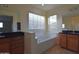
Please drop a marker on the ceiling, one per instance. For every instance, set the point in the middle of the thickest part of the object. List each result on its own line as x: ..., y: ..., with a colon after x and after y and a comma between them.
x: 46, y: 7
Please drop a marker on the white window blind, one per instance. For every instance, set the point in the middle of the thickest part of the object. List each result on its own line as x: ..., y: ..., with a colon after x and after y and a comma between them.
x: 36, y: 21
x: 52, y: 25
x: 37, y: 25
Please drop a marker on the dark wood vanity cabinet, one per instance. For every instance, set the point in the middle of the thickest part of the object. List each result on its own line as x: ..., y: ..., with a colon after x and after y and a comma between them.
x: 12, y: 45
x: 70, y: 41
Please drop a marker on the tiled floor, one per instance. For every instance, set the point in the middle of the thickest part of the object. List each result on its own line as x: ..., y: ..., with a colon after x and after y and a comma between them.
x: 59, y: 50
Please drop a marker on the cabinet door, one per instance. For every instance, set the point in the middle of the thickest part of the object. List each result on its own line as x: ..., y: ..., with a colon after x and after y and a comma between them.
x: 17, y: 45
x: 63, y: 40
x: 72, y: 42
x: 4, y: 45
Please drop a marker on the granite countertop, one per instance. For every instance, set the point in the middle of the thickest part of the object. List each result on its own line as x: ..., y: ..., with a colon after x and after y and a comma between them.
x: 71, y: 32
x: 11, y: 34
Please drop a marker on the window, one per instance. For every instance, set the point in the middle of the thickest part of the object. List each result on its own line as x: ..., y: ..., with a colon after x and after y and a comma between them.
x: 52, y: 25
x: 37, y: 25
x: 36, y: 21
x: 63, y: 25
x: 1, y: 24
x: 52, y: 22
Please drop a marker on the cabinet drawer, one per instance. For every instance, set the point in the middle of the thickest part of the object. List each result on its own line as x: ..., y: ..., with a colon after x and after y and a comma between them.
x: 17, y: 38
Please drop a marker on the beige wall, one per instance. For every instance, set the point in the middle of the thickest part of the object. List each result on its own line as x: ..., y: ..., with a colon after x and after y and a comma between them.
x: 71, y: 22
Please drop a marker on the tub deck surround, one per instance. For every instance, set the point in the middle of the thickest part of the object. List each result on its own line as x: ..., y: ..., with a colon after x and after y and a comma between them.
x: 70, y: 40
x: 12, y: 42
